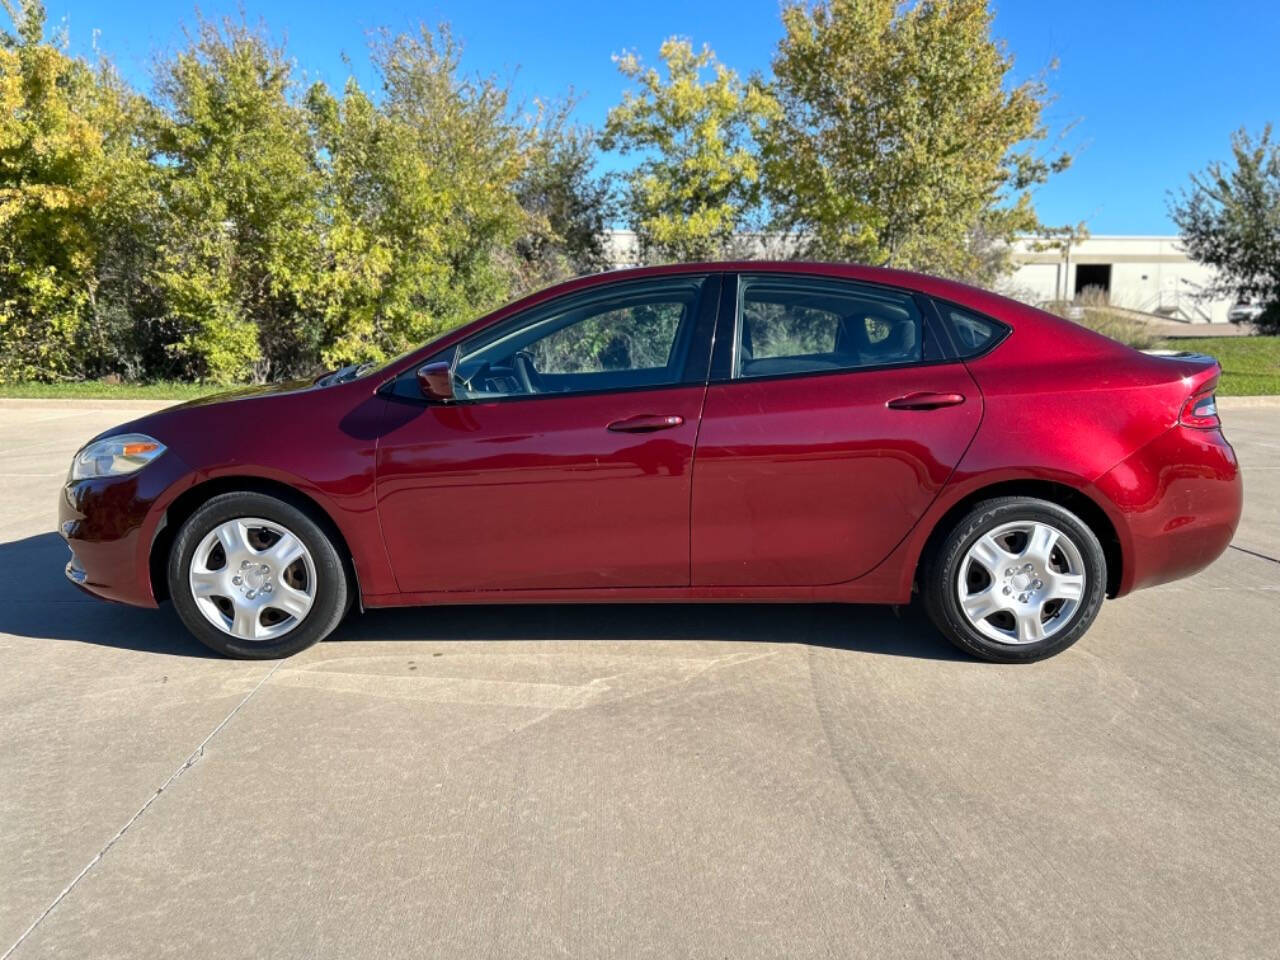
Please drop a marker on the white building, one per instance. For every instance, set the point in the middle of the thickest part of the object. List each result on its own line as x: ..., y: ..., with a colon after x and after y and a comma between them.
x: 1147, y: 274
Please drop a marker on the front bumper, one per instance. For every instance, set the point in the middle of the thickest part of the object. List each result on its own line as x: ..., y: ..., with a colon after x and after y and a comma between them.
x: 110, y: 523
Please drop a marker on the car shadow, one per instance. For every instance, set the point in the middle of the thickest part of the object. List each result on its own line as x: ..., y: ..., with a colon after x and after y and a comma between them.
x: 37, y: 601
x: 902, y: 632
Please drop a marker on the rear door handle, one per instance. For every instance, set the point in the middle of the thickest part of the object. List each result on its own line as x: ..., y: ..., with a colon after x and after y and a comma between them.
x: 646, y: 423
x: 925, y: 401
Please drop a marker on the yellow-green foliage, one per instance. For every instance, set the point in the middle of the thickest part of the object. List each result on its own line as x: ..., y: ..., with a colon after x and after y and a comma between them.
x: 899, y: 140
x: 236, y: 227
x: 699, y: 180
x: 421, y: 193
x: 240, y: 263
x: 68, y: 178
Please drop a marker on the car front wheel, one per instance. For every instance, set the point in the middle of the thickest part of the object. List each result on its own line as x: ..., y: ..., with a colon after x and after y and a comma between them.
x: 256, y: 578
x: 1017, y: 579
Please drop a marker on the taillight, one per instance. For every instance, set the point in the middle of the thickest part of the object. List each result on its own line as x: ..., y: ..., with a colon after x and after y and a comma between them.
x: 1201, y: 412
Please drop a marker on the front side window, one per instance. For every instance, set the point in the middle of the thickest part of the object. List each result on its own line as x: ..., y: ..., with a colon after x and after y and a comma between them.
x: 805, y: 325
x: 618, y: 338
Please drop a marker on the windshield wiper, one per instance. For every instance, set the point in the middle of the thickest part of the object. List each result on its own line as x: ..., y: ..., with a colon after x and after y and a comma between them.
x: 350, y: 372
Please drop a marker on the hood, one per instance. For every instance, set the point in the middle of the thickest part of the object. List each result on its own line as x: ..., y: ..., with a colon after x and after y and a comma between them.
x: 161, y: 423
x: 246, y: 393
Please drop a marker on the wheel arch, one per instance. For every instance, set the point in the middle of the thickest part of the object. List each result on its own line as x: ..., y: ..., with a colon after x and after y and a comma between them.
x: 1068, y: 497
x: 191, y: 499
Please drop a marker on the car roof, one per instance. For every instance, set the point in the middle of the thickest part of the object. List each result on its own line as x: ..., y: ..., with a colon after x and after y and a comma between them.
x: 886, y: 276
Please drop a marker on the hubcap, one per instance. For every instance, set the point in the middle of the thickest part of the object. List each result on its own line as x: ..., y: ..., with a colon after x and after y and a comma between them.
x: 1021, y: 582
x: 253, y: 579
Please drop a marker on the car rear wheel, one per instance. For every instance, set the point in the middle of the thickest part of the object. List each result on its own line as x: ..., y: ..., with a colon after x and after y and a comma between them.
x: 1017, y: 579
x: 256, y: 578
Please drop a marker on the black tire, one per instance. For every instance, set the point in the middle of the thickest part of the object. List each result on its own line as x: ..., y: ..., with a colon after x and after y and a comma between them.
x: 332, y: 592
x: 940, y: 589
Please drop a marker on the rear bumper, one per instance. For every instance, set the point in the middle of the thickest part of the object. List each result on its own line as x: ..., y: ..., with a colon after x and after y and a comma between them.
x: 110, y: 524
x: 1178, y: 502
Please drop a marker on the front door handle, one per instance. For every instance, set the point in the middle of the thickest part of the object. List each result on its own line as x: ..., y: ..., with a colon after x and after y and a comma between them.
x: 646, y: 423
x: 925, y: 401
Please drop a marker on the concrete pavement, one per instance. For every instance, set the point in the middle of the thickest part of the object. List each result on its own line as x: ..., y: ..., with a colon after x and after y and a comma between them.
x: 635, y: 781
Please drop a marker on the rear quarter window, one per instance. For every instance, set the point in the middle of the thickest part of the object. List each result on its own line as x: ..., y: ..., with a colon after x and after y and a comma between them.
x: 972, y: 333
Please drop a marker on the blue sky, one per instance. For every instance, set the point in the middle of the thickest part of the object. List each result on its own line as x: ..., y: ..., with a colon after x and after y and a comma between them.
x: 1155, y: 88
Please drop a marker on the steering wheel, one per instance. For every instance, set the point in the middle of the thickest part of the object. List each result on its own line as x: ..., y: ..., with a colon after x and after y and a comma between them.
x: 526, y: 372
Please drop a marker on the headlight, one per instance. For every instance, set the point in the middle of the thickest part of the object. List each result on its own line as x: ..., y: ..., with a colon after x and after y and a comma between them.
x: 114, y: 456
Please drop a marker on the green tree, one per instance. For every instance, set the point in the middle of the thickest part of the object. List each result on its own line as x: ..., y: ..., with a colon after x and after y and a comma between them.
x: 1230, y: 220
x: 241, y: 257
x: 697, y: 183
x: 900, y: 139
x: 567, y: 207
x: 421, y: 197
x: 74, y: 186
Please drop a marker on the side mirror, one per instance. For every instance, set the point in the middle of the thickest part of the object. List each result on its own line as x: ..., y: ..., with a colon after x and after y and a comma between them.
x: 435, y: 380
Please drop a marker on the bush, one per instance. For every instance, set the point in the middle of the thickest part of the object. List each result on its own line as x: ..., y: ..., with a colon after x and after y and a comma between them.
x: 1091, y: 309
x: 234, y: 226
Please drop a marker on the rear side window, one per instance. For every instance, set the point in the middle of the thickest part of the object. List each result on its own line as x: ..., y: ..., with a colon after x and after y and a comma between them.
x: 971, y: 332
x: 805, y: 325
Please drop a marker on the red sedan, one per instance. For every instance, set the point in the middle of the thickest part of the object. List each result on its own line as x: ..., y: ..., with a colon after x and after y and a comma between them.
x: 704, y: 432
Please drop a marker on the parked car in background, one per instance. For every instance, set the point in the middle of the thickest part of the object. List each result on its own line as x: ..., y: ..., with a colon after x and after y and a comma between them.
x: 703, y: 432
x: 1244, y: 312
